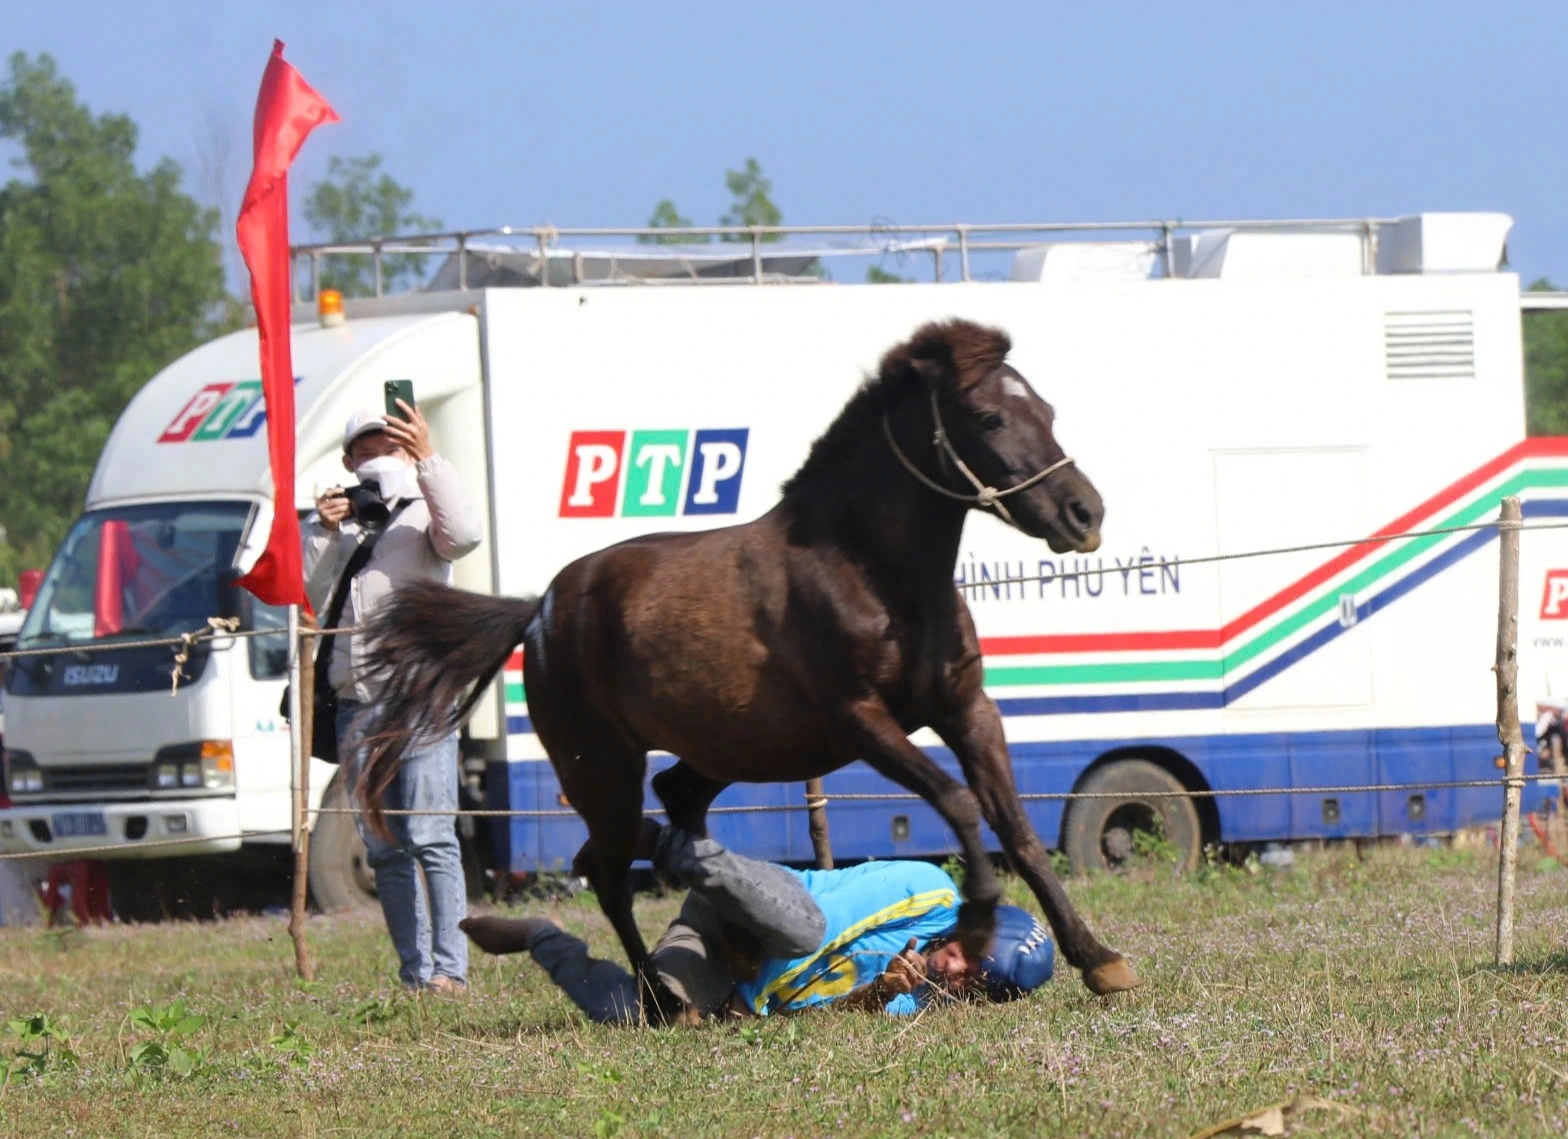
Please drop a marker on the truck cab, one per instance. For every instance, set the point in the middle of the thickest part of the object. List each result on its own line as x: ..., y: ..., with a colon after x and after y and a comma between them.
x: 150, y: 739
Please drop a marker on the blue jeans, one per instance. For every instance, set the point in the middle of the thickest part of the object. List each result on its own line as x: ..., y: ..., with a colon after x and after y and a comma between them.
x: 427, y: 940
x: 766, y: 901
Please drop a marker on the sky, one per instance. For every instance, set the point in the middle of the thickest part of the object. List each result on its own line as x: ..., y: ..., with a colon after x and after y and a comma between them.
x: 915, y: 112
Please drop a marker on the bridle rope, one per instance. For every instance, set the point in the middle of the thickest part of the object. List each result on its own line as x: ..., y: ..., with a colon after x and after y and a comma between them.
x: 985, y: 497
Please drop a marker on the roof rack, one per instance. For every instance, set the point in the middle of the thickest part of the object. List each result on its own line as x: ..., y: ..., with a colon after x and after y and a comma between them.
x: 547, y: 256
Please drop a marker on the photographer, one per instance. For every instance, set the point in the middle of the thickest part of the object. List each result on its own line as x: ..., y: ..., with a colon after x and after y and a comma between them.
x: 411, y: 502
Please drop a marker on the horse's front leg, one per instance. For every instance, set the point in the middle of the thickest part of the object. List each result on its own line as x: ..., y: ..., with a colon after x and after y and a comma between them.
x: 976, y: 737
x: 886, y: 747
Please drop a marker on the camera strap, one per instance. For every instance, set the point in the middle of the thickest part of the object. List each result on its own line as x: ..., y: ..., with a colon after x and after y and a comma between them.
x: 356, y: 562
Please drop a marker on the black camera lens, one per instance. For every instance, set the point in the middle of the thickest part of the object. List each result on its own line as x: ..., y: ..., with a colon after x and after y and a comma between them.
x: 366, y: 504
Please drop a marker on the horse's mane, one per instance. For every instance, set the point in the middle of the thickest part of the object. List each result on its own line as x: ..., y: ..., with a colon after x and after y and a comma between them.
x: 950, y: 354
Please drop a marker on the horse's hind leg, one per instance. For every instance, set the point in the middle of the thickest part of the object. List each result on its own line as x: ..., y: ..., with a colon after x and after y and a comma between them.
x: 605, y: 787
x: 686, y: 795
x: 977, y: 739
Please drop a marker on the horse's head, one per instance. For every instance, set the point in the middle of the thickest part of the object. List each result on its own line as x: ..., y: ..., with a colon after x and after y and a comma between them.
x: 996, y: 438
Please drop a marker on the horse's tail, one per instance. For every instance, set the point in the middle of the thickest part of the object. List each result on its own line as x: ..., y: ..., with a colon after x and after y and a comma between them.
x: 433, y: 651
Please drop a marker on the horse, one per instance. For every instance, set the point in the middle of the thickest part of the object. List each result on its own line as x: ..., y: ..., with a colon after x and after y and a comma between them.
x: 781, y: 649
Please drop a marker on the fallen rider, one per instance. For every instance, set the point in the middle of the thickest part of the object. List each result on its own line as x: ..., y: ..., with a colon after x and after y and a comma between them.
x: 754, y: 938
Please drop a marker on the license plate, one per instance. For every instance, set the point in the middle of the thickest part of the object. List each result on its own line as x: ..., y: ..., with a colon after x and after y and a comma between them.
x: 78, y: 824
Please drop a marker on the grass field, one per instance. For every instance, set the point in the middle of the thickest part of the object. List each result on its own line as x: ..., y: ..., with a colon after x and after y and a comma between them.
x: 1368, y: 983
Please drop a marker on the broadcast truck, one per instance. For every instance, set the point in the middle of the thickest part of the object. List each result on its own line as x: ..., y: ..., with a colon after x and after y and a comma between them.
x: 1230, y: 388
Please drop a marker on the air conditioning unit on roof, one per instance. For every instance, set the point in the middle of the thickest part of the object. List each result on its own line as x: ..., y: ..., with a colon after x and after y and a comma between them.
x: 1444, y: 243
x: 1271, y: 253
x: 1083, y: 260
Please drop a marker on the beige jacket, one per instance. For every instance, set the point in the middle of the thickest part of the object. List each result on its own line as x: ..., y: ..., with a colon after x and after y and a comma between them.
x: 439, y: 526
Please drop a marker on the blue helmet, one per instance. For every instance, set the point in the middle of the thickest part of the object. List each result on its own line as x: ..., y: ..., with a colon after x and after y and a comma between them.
x: 1021, y: 956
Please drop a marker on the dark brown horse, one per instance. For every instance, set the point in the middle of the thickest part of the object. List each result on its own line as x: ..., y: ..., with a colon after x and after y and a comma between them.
x: 825, y: 631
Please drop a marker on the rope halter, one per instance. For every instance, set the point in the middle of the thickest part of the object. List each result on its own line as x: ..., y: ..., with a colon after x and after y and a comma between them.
x: 985, y: 497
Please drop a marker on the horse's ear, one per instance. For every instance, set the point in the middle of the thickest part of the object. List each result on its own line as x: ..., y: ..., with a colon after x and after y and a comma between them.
x: 949, y: 356
x: 956, y: 354
x: 930, y: 357
x: 934, y: 373
x: 976, y: 351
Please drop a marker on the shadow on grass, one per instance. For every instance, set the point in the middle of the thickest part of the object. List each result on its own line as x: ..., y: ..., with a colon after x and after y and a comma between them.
x: 1538, y: 965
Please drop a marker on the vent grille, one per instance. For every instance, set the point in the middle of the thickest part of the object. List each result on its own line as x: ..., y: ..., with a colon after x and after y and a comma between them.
x: 108, y: 778
x: 1429, y: 345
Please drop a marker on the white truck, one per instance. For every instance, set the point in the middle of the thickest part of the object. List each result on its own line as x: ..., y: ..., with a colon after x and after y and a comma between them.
x: 1228, y: 388
x: 19, y: 879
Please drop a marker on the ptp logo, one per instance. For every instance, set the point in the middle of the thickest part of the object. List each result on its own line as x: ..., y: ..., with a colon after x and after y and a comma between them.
x: 220, y: 411
x: 698, y: 472
x: 1554, y: 602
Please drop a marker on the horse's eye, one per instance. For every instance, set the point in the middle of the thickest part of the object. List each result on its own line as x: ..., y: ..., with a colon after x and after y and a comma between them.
x: 991, y: 420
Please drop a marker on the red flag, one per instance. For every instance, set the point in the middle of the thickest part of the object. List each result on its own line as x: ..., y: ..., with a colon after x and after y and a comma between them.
x: 287, y: 110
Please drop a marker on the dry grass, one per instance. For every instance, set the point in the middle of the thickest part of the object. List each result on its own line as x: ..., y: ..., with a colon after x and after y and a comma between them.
x: 1368, y: 983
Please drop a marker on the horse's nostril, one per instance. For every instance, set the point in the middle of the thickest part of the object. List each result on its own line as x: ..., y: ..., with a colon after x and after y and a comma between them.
x: 1080, y: 514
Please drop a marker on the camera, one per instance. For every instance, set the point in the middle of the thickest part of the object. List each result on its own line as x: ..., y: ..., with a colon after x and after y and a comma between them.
x: 366, y: 505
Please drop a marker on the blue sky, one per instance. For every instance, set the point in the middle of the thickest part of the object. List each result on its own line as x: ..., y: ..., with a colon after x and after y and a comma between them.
x: 586, y: 114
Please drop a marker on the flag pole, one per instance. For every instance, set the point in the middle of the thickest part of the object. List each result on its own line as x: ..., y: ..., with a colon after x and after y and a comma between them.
x: 287, y: 110
x: 301, y: 692
x: 296, y: 729
x: 297, y: 760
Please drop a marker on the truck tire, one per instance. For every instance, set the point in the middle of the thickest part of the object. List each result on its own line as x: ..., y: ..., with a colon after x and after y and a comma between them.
x: 1098, y: 833
x: 340, y: 879
x: 134, y: 894
x: 186, y: 889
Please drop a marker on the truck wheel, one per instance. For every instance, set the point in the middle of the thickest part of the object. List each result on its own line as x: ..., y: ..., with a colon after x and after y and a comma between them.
x: 171, y: 889
x: 340, y: 879
x: 133, y: 893
x: 1098, y: 833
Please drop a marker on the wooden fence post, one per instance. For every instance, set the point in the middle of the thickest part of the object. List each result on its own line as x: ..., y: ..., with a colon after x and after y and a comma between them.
x: 305, y: 646
x: 817, y: 814
x: 1508, y: 733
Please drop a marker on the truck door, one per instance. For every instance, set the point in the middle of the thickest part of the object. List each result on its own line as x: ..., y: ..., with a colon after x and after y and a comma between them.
x: 1297, y: 671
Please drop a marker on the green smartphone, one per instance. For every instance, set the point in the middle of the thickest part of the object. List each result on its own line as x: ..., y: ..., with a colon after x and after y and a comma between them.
x: 399, y: 390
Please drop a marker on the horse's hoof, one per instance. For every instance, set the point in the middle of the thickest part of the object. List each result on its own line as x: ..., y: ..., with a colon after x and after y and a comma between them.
x: 976, y: 926
x: 1113, y: 976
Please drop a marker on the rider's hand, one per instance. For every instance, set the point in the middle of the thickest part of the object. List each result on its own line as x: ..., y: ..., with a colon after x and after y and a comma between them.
x: 905, y: 973
x: 332, y: 507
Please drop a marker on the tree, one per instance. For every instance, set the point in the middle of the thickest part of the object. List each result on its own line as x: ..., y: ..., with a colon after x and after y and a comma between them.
x: 752, y: 200
x: 666, y: 216
x: 751, y: 204
x: 1546, y: 369
x: 877, y: 275
x: 358, y: 200
x: 107, y: 274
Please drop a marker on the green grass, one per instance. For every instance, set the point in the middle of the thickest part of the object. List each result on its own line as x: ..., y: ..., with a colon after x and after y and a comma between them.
x: 1368, y: 983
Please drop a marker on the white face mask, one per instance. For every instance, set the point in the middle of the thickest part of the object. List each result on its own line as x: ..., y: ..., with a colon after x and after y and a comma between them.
x: 388, y: 472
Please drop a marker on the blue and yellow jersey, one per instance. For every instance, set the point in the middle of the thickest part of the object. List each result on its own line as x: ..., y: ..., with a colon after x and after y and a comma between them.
x: 872, y: 911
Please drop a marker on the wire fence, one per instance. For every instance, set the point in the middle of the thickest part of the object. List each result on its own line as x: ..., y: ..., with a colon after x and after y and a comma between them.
x: 1213, y: 559
x: 67, y: 854
x: 811, y: 802
x: 829, y: 798
x: 217, y: 631
x: 226, y: 628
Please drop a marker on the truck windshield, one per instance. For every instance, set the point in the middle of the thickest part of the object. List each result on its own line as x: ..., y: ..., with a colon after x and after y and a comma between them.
x: 157, y: 570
